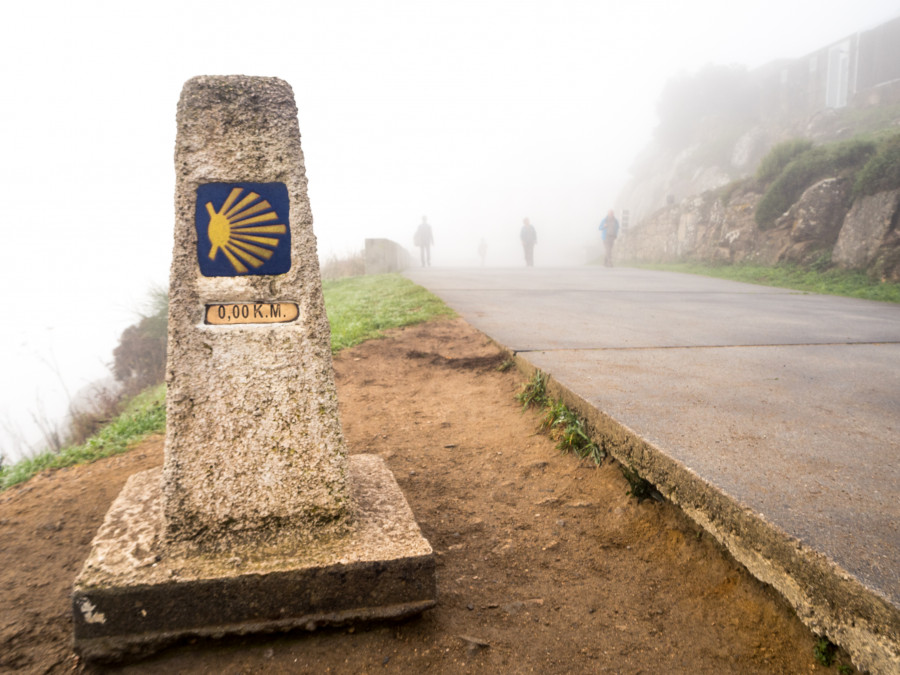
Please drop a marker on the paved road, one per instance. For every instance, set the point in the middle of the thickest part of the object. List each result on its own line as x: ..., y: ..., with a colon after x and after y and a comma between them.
x: 788, y: 402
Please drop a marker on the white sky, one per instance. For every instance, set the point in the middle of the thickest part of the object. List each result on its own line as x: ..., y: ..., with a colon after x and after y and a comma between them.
x: 476, y: 113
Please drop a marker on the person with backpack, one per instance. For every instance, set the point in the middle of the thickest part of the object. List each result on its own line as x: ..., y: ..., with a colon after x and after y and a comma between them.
x: 609, y: 230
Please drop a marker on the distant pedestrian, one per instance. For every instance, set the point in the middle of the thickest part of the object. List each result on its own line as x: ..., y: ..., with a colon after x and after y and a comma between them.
x: 423, y: 238
x: 609, y: 230
x: 482, y: 251
x: 528, y: 235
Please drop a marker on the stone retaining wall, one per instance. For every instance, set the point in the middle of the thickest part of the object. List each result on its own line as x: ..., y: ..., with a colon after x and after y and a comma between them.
x: 384, y: 256
x: 863, y: 235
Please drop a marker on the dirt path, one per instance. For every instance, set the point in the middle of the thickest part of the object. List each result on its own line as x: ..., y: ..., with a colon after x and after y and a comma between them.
x: 544, y: 564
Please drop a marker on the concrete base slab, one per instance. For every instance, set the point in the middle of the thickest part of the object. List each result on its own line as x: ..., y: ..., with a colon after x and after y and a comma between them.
x: 135, y: 595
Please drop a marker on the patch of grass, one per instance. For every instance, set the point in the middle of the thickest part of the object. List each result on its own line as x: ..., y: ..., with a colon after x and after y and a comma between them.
x: 534, y: 392
x: 362, y: 308
x: 506, y: 365
x: 570, y: 432
x: 824, y: 651
x: 828, y: 654
x: 559, y: 421
x: 572, y: 436
x: 144, y: 415
x: 830, y: 281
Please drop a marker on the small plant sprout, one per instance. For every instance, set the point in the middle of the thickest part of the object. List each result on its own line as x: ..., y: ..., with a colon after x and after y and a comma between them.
x: 638, y: 487
x: 534, y: 392
x: 559, y: 421
x: 824, y: 651
x: 570, y: 432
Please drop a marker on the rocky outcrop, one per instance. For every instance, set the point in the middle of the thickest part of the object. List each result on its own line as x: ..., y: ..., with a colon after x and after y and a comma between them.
x: 719, y: 228
x: 814, y: 221
x: 703, y: 228
x: 664, y: 176
x: 869, y: 237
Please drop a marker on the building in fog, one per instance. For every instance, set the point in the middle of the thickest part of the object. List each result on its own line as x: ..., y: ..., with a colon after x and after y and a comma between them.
x: 861, y: 70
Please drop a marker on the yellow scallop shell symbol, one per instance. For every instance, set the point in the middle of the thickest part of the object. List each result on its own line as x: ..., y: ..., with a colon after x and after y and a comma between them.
x: 239, y: 230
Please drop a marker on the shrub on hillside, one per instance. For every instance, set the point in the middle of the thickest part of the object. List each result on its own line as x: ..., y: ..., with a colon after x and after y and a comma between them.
x: 810, y: 166
x: 851, y: 154
x: 779, y: 157
x: 882, y: 171
x: 88, y: 417
x: 139, y: 360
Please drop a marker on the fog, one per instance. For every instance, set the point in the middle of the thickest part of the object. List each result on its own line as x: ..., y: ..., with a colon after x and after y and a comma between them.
x: 476, y: 114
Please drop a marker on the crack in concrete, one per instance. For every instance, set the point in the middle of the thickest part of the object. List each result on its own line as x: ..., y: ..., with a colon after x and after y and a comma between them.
x: 691, y: 347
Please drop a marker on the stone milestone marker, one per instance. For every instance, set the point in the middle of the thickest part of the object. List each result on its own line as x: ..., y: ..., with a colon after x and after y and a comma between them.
x: 258, y: 520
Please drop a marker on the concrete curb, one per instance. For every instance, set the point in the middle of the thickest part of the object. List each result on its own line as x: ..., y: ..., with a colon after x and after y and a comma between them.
x: 826, y: 598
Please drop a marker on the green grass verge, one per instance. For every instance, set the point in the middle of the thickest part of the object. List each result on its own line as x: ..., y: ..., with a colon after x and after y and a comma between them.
x: 358, y: 308
x: 362, y: 308
x: 144, y: 415
x: 827, y: 282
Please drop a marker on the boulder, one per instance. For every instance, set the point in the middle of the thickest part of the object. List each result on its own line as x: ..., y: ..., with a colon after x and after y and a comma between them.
x: 739, y: 232
x: 863, y: 236
x: 819, y: 213
x: 886, y: 265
